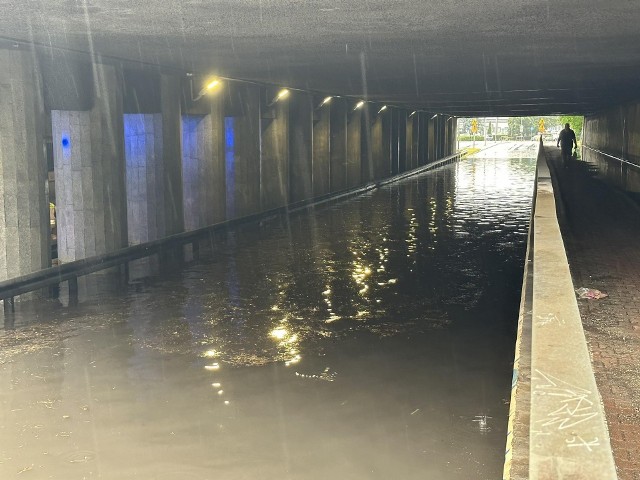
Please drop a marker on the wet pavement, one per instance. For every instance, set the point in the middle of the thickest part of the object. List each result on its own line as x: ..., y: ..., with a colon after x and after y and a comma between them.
x: 370, y: 339
x: 600, y: 221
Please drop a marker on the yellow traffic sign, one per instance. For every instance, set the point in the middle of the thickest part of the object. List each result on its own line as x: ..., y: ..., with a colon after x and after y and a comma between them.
x: 541, y: 128
x: 474, y: 126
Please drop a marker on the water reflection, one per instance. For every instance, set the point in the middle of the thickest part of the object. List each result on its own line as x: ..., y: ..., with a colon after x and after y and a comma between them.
x: 371, y: 339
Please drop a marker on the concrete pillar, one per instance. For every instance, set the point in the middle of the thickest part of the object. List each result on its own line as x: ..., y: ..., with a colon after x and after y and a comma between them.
x: 218, y: 168
x: 448, y: 136
x: 242, y: 134
x: 90, y: 172
x: 437, y: 142
x: 453, y: 136
x: 203, y: 158
x: 381, y: 143
x: 321, y: 151
x: 274, y: 149
x: 366, y: 144
x: 145, y: 195
x: 354, y: 147
x: 402, y: 141
x: 300, y: 147
x: 423, y: 138
x: 197, y: 147
x: 441, y: 136
x: 444, y: 135
x: 394, y: 152
x: 413, y: 138
x: 170, y: 100
x: 24, y: 208
x: 338, y: 144
x: 409, y: 147
x: 431, y: 140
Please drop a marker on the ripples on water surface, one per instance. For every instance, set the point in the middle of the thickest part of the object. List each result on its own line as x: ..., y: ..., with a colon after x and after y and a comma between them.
x: 369, y: 339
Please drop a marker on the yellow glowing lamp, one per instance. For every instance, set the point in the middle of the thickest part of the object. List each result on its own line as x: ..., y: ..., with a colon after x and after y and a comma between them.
x: 211, y: 85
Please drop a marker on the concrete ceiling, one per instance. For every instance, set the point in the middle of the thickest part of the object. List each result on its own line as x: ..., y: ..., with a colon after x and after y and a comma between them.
x: 466, y: 58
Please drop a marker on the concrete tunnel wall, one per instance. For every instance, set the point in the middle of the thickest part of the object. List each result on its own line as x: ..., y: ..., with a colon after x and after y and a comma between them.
x: 136, y: 159
x: 615, y: 131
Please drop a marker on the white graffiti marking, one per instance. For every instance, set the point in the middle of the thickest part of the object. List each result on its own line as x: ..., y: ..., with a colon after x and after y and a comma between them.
x: 578, y: 441
x: 575, y: 406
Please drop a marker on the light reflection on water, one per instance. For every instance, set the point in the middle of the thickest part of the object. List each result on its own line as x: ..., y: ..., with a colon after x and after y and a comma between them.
x: 371, y: 339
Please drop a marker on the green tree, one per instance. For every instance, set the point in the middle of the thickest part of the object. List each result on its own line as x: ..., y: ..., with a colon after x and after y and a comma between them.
x: 464, y: 125
x: 576, y: 123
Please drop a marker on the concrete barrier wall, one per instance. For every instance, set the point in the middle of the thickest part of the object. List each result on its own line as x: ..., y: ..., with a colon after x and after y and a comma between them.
x: 557, y: 427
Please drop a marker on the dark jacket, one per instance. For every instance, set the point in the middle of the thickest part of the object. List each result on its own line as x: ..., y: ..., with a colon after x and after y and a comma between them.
x: 566, y: 139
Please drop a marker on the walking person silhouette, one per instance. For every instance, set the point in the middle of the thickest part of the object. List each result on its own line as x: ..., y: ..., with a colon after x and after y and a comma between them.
x: 566, y: 141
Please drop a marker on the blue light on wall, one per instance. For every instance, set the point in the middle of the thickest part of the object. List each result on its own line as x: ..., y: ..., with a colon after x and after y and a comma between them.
x: 229, y: 157
x: 66, y: 145
x: 135, y: 139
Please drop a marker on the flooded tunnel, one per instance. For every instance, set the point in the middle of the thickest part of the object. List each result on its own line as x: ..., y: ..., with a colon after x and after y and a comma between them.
x: 292, y: 347
x: 238, y: 240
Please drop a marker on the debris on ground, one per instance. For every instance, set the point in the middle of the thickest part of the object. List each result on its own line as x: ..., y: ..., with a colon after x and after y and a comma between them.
x: 590, y: 293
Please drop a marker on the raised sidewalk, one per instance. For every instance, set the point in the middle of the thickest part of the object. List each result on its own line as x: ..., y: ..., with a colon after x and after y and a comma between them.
x: 601, y: 231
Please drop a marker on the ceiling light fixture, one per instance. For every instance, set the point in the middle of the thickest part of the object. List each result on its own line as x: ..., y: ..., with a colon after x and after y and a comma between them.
x: 206, y: 89
x: 325, y: 101
x: 284, y: 93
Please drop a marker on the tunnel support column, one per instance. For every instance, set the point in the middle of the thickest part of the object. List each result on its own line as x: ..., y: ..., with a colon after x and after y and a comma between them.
x: 274, y: 151
x: 203, y: 169
x: 321, y: 151
x: 338, y: 144
x: 300, y: 147
x: 432, y: 138
x: 381, y: 143
x: 143, y: 153
x: 90, y: 172
x: 171, y: 183
x: 242, y: 155
x: 412, y: 141
x: 354, y: 147
x: 401, y: 144
x: 24, y: 209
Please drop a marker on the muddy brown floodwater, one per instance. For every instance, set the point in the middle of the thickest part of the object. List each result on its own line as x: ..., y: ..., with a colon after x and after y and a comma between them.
x: 370, y: 339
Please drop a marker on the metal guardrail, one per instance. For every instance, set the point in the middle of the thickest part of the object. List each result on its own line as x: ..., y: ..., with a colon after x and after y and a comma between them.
x: 605, y: 154
x: 71, y: 271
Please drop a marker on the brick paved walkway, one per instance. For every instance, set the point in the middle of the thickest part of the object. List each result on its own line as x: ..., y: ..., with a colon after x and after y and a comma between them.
x: 601, y: 230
